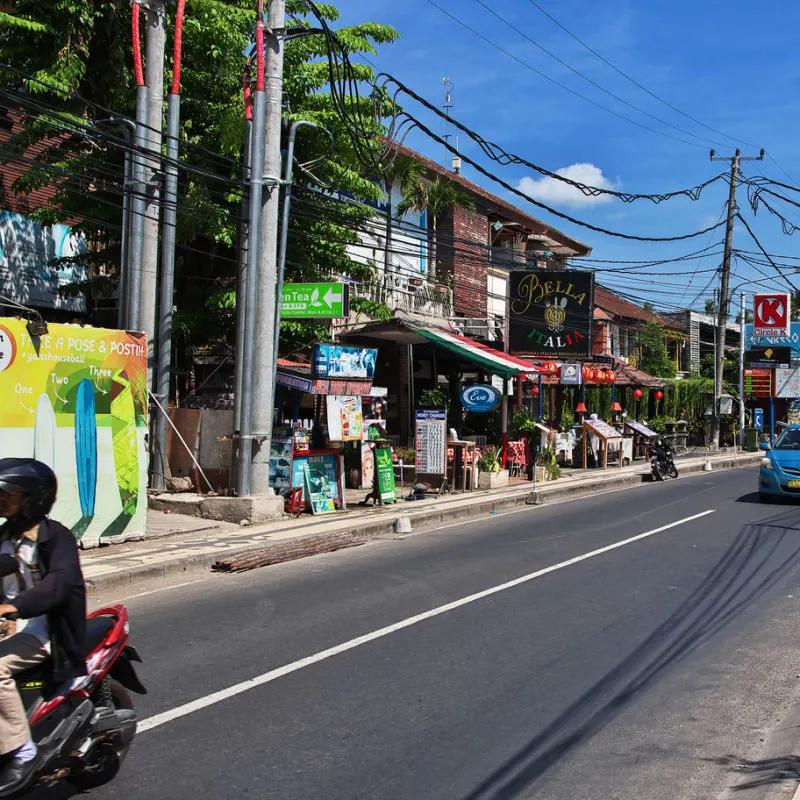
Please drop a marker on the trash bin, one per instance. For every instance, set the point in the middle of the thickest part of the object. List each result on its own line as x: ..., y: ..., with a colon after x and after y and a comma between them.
x: 751, y: 439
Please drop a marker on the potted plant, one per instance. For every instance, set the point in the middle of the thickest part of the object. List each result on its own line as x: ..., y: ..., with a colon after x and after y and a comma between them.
x: 490, y: 475
x: 550, y: 469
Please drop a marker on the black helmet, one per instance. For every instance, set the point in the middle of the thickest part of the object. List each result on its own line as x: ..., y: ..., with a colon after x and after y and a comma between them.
x: 35, y: 480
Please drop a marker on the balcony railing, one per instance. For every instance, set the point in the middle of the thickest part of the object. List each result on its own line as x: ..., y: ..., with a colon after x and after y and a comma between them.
x: 488, y: 329
x: 411, y: 294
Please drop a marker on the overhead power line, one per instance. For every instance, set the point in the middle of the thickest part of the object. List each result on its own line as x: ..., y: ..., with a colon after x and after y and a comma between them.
x: 591, y: 80
x: 633, y: 80
x: 504, y: 158
x: 556, y: 82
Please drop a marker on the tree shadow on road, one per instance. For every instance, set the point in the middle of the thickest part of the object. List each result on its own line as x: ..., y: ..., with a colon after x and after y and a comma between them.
x: 766, y: 772
x: 755, y: 561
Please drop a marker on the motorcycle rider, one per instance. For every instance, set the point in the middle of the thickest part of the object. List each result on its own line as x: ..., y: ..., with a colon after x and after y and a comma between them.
x: 48, y: 598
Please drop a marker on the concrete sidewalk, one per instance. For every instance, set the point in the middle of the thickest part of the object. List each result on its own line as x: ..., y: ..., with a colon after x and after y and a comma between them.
x: 176, y: 544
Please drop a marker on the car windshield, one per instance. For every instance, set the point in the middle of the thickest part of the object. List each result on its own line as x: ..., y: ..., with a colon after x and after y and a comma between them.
x: 789, y: 440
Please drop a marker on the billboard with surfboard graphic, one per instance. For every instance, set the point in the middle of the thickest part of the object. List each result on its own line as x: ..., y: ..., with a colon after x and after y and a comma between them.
x: 76, y: 399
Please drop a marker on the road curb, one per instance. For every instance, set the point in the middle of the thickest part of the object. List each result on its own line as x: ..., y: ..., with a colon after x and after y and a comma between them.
x: 386, y: 526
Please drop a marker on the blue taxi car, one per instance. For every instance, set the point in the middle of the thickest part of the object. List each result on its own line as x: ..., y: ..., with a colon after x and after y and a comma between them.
x: 779, y: 475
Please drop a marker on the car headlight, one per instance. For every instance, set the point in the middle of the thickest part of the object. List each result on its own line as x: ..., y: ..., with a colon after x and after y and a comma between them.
x: 766, y: 463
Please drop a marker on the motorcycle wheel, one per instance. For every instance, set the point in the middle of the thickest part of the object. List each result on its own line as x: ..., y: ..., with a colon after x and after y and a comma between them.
x: 658, y: 472
x: 105, y: 768
x: 672, y: 470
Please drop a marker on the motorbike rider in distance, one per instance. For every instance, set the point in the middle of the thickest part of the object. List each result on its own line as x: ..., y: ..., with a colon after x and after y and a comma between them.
x: 47, y: 598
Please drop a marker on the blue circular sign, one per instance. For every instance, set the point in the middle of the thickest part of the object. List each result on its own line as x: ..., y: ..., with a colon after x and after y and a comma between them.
x: 480, y: 398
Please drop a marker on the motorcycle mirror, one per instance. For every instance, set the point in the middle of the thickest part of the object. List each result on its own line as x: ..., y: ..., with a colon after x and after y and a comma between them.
x: 8, y: 565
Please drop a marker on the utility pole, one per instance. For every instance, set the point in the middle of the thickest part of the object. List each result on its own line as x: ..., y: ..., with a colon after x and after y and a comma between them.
x: 156, y: 40
x: 168, y: 260
x: 264, y: 343
x: 722, y: 316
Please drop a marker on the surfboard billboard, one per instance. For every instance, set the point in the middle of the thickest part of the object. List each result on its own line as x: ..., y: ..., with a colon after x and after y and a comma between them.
x: 76, y: 398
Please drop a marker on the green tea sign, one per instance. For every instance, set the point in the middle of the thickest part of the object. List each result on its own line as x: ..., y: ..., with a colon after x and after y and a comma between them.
x: 385, y: 471
x: 315, y: 300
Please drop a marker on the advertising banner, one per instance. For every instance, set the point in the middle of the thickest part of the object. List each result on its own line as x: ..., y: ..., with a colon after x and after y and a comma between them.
x: 337, y: 362
x: 76, y: 399
x: 321, y: 464
x: 385, y: 467
x: 345, y: 422
x: 27, y: 249
x: 280, y: 462
x: 319, y: 492
x: 550, y: 313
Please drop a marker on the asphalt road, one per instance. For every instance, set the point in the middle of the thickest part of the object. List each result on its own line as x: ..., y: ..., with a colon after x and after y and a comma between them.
x: 554, y: 653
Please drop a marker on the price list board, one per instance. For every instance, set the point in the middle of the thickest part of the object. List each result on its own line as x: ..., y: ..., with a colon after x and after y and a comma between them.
x: 431, y: 442
x: 758, y: 382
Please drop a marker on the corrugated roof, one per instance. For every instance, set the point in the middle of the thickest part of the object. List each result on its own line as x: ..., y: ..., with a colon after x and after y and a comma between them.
x: 617, y: 306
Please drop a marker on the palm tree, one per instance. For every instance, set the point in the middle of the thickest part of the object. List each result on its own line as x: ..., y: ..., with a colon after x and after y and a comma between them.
x: 438, y: 198
x: 406, y: 173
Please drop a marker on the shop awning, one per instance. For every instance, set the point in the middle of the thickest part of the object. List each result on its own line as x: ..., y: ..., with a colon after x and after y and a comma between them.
x: 492, y: 361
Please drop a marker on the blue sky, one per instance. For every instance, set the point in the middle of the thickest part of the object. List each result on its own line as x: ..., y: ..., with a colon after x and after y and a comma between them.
x: 730, y: 65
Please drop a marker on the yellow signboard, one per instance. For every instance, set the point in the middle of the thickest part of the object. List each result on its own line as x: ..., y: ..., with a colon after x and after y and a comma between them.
x: 76, y: 398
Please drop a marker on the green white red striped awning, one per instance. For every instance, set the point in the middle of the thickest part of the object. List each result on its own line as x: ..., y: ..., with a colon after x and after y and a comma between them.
x: 492, y: 361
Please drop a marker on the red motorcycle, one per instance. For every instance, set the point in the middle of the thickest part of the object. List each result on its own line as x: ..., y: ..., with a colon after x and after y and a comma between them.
x: 83, y: 730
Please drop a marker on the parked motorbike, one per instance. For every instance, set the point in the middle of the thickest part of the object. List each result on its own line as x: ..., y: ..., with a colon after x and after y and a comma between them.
x: 662, y: 462
x: 83, y: 730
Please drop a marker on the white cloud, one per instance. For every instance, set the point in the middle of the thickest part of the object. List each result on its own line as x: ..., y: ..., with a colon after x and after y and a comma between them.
x: 557, y: 193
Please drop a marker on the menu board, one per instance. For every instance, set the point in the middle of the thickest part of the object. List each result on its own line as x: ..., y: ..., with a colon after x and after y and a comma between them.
x: 600, y: 428
x: 320, y: 463
x: 385, y: 467
x: 431, y: 442
x: 637, y: 427
x: 787, y: 383
x: 319, y: 491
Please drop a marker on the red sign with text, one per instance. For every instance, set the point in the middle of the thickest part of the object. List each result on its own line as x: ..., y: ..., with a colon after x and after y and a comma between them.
x: 772, y: 314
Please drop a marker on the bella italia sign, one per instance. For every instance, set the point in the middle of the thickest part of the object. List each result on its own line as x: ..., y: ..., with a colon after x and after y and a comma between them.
x: 551, y: 313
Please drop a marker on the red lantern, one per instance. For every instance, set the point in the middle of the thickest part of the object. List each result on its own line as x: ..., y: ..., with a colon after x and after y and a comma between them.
x: 637, y: 393
x: 586, y: 372
x: 600, y: 376
x: 553, y: 366
x: 589, y: 375
x: 612, y: 377
x: 659, y: 395
x: 535, y: 391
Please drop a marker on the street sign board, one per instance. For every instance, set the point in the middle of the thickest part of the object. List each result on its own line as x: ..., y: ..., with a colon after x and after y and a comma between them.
x: 315, y: 300
x: 787, y: 382
x: 772, y: 314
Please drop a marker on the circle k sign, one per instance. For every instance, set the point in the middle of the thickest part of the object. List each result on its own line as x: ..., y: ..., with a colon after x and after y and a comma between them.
x: 772, y: 314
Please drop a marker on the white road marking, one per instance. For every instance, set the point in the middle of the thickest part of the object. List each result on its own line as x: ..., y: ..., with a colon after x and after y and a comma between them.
x: 225, y: 694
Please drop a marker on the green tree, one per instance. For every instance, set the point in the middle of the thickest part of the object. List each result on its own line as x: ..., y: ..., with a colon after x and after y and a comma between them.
x: 70, y: 61
x: 654, y: 357
x: 438, y: 198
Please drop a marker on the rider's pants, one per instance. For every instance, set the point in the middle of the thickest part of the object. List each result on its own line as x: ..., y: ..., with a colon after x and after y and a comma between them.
x: 17, y: 653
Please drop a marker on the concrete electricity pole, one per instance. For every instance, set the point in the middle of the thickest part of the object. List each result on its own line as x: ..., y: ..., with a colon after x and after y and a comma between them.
x: 265, y: 346
x: 722, y: 317
x: 156, y: 40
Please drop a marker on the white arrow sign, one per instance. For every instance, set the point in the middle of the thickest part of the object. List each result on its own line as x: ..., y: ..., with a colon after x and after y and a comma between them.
x: 330, y: 298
